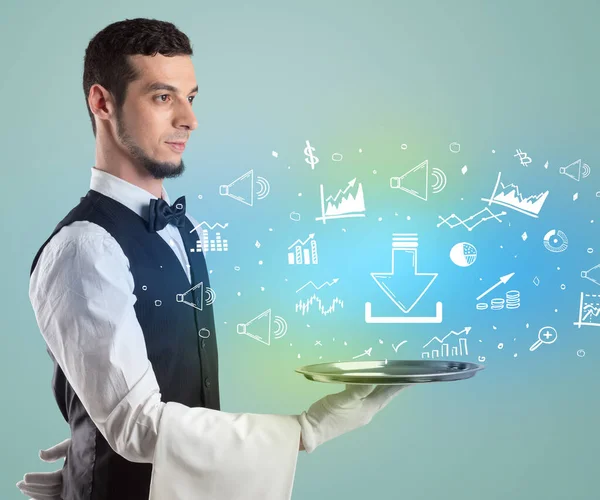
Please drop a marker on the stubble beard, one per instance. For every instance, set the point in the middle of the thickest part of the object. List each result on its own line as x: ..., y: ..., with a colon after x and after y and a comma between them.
x: 157, y: 169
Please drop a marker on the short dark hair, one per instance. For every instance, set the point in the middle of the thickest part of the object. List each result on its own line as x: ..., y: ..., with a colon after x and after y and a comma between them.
x: 105, y: 59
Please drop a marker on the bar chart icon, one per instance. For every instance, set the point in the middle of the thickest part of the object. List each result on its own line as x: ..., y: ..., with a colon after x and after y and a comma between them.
x: 443, y: 349
x: 303, y: 252
x: 206, y: 243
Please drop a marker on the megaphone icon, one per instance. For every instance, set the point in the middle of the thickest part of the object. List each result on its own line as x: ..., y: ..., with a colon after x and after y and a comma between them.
x: 197, y: 300
x: 261, y: 326
x: 242, y: 189
x: 575, y: 170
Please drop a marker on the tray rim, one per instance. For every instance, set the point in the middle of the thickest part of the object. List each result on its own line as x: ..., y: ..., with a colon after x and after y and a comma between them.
x: 470, y: 371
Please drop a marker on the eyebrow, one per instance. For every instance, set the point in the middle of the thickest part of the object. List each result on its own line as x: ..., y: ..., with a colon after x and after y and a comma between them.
x: 165, y: 86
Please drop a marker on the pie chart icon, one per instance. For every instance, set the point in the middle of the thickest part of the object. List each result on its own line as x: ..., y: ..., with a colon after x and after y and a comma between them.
x: 556, y: 241
x: 463, y: 254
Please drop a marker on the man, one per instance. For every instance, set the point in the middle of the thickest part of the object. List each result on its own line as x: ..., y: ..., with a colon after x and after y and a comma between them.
x: 135, y: 370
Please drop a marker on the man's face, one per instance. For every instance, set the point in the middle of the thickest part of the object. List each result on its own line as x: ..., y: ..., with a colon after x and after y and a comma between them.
x: 152, y: 117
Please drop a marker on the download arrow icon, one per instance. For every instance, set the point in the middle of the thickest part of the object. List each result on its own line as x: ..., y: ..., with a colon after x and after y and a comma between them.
x: 404, y: 285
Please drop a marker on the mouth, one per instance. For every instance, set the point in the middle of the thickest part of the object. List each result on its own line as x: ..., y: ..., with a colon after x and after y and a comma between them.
x: 177, y: 146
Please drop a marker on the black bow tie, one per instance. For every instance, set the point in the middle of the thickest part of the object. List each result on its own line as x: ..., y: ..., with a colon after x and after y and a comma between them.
x: 161, y: 214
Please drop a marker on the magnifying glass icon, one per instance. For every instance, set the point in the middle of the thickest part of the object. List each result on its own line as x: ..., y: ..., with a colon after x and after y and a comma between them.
x: 546, y: 335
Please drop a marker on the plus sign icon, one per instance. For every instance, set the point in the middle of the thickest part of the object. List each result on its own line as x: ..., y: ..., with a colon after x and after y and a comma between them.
x: 546, y: 335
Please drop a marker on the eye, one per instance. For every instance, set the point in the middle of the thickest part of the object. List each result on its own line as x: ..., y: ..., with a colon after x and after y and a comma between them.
x: 167, y: 95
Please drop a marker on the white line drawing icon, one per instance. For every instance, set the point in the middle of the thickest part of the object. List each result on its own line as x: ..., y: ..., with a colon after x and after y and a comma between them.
x: 589, y: 310
x: 366, y: 353
x: 404, y: 267
x: 311, y: 160
x: 259, y: 327
x: 576, y: 170
x: 592, y: 274
x: 443, y: 349
x: 525, y: 160
x: 303, y: 306
x: 205, y: 243
x: 510, y: 196
x: 199, y: 302
x: 556, y: 241
x: 328, y: 283
x: 512, y: 301
x: 242, y: 189
x: 463, y: 254
x: 416, y: 181
x: 301, y: 254
x: 546, y: 335
x: 502, y: 281
x: 454, y: 147
x: 204, y: 333
x: 486, y: 214
x: 349, y: 206
x: 395, y: 347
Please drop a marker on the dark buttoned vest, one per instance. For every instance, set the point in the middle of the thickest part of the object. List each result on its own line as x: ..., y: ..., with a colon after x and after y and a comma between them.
x: 179, y: 330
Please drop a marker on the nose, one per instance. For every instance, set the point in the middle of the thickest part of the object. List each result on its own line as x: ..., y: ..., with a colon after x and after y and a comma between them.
x: 186, y: 117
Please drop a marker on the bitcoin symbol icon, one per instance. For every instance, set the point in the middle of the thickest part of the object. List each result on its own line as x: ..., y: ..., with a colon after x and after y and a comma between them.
x: 525, y: 160
x: 311, y: 160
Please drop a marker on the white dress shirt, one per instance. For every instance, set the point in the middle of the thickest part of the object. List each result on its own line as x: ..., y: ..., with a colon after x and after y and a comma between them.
x: 82, y: 294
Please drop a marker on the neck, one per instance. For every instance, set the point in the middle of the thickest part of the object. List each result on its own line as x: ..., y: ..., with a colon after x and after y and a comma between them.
x: 114, y: 163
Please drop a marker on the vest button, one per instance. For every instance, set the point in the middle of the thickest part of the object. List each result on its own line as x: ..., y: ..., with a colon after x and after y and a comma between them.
x: 207, y: 382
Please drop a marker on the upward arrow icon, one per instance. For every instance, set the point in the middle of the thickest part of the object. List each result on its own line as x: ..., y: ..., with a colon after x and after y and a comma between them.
x: 404, y: 285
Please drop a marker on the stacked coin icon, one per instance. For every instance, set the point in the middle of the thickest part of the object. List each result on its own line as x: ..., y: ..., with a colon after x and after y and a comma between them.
x: 497, y: 304
x: 513, y: 300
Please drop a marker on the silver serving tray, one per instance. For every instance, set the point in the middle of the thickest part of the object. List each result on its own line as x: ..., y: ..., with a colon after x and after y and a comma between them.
x: 395, y: 372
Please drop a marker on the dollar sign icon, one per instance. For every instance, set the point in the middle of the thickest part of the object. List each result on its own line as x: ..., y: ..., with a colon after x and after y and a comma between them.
x: 311, y: 160
x: 525, y: 160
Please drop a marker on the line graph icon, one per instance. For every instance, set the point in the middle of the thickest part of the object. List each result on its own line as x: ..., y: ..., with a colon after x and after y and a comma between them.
x: 483, y: 215
x: 311, y: 283
x: 509, y: 196
x: 589, y: 310
x: 303, y: 252
x: 303, y: 306
x: 349, y: 204
x: 441, y: 347
x: 205, y: 243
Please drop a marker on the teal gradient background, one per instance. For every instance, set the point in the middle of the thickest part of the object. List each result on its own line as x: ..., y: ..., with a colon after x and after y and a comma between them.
x: 347, y: 76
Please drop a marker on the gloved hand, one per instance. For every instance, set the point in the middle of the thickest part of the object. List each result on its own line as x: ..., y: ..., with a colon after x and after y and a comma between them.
x: 344, y: 411
x: 46, y: 485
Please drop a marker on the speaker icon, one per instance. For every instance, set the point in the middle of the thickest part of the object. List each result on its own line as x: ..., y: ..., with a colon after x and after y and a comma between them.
x: 242, y: 189
x: 576, y: 170
x: 199, y: 302
x: 259, y: 328
x: 416, y: 181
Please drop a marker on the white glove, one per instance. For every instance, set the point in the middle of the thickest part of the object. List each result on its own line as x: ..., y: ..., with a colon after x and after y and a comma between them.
x: 344, y: 411
x: 46, y: 485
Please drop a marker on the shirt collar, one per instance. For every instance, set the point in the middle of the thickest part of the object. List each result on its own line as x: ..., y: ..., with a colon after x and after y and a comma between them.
x: 133, y: 197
